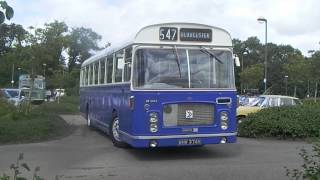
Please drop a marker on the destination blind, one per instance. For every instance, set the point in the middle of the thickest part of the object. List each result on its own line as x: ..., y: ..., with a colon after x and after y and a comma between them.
x: 188, y: 34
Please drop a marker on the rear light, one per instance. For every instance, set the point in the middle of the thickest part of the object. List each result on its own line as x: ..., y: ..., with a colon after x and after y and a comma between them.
x: 131, y: 102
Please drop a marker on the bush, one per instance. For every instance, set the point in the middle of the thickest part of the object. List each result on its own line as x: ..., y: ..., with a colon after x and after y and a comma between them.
x: 283, y: 122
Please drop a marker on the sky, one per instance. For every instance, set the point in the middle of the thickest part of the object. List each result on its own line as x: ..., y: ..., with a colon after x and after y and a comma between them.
x: 294, y: 22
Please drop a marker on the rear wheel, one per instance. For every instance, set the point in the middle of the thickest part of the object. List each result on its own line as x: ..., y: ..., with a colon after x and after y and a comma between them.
x: 115, y: 134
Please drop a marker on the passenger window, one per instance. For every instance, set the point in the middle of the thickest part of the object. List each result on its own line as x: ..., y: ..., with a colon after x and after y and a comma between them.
x: 127, y: 64
x: 102, y: 70
x: 286, y: 102
x: 96, y: 72
x: 273, y: 102
x: 109, y: 69
x: 85, y: 77
x: 90, y: 78
x: 119, y: 65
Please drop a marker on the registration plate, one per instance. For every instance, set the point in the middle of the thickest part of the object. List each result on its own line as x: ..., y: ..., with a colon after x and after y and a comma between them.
x: 189, y: 142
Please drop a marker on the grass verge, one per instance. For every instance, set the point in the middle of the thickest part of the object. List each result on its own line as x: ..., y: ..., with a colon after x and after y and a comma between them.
x: 42, y: 123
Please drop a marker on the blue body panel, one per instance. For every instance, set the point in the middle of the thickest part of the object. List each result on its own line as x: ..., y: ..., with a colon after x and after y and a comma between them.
x: 100, y: 103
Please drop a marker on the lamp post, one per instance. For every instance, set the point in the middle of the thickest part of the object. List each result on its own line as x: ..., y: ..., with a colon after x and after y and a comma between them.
x: 264, y: 20
x: 19, y: 72
x: 242, y: 57
x: 12, y: 74
x: 44, y: 69
x: 286, y: 81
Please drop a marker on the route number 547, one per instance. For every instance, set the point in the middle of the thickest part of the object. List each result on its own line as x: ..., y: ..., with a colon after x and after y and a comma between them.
x: 168, y: 34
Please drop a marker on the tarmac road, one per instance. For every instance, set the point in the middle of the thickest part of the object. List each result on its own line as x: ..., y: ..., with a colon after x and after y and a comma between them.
x: 88, y: 154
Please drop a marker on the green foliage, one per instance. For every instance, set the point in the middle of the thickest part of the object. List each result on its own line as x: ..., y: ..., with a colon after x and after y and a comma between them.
x: 283, y: 122
x: 55, y: 44
x: 310, y: 169
x: 7, y: 11
x: 42, y: 123
x: 67, y: 105
x: 5, y: 108
x: 252, y: 76
x: 17, y: 168
x: 282, y: 60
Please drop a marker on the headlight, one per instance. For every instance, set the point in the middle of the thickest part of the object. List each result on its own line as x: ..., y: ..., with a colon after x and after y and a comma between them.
x: 224, y: 120
x: 224, y: 116
x: 153, y: 117
x: 153, y: 128
x: 224, y: 125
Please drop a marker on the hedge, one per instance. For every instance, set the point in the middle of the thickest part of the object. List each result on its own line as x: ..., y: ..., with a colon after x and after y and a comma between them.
x: 284, y: 122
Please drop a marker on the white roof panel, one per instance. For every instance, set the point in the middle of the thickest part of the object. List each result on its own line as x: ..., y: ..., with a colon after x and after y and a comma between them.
x: 150, y: 35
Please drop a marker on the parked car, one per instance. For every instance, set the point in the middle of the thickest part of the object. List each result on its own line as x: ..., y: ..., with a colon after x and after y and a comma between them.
x: 59, y: 92
x: 265, y: 101
x: 245, y: 100
x: 13, y: 96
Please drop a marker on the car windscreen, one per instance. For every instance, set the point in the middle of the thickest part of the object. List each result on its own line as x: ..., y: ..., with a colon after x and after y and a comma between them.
x: 13, y: 93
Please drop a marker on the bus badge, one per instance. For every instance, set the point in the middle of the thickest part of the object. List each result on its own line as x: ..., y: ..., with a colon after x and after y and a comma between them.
x: 189, y: 114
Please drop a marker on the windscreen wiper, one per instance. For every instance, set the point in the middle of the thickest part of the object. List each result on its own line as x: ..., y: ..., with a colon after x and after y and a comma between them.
x: 177, y: 59
x: 211, y: 54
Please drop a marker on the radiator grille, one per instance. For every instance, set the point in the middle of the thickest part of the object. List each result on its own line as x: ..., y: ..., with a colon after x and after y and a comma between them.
x: 179, y: 114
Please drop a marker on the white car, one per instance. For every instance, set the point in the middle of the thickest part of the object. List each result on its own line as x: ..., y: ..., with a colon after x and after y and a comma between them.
x: 59, y: 92
x: 13, y: 96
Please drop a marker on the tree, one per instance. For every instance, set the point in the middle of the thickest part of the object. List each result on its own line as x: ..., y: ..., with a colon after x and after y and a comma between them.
x: 252, y: 76
x: 11, y: 36
x: 6, y: 12
x: 298, y: 73
x: 81, y: 42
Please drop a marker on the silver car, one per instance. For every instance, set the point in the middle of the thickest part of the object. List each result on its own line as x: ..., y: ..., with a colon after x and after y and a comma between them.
x: 13, y: 96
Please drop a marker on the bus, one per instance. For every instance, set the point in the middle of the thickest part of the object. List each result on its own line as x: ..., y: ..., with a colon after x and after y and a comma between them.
x: 39, y: 87
x: 172, y: 84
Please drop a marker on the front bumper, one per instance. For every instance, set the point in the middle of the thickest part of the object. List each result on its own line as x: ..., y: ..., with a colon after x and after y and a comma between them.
x: 173, y: 140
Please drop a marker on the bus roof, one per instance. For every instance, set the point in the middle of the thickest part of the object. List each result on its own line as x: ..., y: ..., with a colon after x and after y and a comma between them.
x: 150, y: 35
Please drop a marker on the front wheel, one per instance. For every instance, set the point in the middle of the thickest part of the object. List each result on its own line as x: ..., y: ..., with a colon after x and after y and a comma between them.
x: 115, y: 134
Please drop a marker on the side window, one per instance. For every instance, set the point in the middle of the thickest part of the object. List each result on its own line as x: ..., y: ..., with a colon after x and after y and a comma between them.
x: 273, y: 102
x: 102, y: 70
x: 82, y: 77
x: 85, y: 76
x: 109, y: 69
x: 96, y: 72
x: 286, y: 102
x: 127, y: 64
x: 90, y: 78
x: 119, y: 66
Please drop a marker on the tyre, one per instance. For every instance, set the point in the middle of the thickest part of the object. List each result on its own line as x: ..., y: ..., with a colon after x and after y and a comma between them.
x: 115, y: 134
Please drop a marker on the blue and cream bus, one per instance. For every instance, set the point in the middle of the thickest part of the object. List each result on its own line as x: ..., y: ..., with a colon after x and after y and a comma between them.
x: 171, y: 85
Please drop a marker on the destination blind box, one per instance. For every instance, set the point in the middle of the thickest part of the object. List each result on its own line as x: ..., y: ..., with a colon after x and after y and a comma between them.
x: 185, y: 34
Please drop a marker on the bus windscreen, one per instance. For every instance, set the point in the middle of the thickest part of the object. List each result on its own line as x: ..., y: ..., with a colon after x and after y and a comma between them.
x: 157, y: 68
